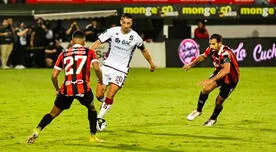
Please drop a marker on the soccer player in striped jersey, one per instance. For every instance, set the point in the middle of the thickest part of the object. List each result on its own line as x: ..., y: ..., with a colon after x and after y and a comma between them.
x: 122, y: 43
x: 76, y: 62
x: 225, y: 76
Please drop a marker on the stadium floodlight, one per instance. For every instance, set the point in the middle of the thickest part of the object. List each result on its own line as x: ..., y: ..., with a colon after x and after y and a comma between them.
x: 76, y: 15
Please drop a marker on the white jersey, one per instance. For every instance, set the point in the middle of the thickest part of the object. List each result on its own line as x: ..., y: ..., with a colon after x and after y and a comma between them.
x: 121, y: 47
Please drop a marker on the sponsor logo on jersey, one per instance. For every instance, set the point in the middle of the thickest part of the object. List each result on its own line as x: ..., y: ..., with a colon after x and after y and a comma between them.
x: 124, y: 42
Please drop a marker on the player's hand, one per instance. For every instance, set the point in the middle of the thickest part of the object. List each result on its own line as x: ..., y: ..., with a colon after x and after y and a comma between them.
x: 206, y: 82
x: 152, y: 68
x: 187, y: 67
x: 100, y: 90
x: 57, y: 92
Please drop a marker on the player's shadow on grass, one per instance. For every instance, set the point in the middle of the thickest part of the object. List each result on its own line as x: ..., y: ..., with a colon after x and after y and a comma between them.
x: 184, y: 135
x: 245, y: 125
x: 123, y: 147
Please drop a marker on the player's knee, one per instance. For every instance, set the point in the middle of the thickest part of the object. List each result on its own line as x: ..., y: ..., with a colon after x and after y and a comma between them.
x: 206, y: 90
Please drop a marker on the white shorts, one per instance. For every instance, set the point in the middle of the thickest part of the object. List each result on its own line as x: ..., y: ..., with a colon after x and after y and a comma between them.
x: 114, y: 76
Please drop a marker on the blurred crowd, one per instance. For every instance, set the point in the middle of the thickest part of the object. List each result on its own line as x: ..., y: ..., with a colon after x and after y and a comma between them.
x: 38, y: 45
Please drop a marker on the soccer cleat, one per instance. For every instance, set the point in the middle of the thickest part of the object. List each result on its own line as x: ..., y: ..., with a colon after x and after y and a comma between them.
x: 193, y: 115
x: 31, y: 139
x: 94, y: 139
x: 210, y: 122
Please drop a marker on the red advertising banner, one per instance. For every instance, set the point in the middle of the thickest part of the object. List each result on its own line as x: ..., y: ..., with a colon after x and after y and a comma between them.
x: 140, y: 1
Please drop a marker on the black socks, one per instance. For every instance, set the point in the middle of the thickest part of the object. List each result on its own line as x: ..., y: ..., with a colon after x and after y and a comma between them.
x: 216, y: 112
x: 201, y: 101
x: 92, y: 117
x: 45, y: 121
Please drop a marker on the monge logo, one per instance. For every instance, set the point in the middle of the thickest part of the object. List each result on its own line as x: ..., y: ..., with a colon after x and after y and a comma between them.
x: 188, y: 50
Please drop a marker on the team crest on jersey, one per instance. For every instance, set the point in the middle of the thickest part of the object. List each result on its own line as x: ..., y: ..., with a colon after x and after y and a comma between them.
x: 188, y: 51
x: 117, y: 40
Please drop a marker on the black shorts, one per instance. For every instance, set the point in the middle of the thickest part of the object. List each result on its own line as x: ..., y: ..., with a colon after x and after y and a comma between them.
x: 225, y: 89
x: 64, y: 102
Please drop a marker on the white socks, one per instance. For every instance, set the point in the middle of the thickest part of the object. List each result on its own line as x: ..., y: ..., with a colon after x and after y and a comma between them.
x: 104, y: 108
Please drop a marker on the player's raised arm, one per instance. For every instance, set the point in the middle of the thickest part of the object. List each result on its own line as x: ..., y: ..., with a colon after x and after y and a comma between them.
x: 95, y: 45
x: 199, y: 59
x: 148, y: 57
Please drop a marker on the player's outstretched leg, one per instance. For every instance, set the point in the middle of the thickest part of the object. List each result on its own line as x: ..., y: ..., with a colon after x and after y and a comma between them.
x: 201, y: 101
x: 92, y: 117
x: 213, y: 118
x: 218, y: 108
x: 47, y: 119
x: 112, y: 90
x: 43, y: 123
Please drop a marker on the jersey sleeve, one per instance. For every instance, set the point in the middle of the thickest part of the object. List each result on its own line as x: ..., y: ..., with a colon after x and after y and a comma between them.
x: 207, y: 52
x: 105, y: 35
x: 226, y: 57
x: 59, y: 65
x: 140, y: 43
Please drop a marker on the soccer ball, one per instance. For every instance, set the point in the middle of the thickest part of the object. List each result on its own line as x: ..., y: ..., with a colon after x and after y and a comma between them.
x: 101, y: 124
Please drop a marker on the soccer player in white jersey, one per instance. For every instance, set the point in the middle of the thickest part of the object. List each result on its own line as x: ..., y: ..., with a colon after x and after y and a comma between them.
x: 122, y: 42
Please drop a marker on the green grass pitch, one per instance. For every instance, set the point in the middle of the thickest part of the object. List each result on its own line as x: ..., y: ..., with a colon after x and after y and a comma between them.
x: 149, y: 114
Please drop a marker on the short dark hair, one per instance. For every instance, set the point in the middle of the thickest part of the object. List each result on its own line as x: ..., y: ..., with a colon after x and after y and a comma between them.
x: 127, y: 15
x: 217, y: 37
x: 78, y: 34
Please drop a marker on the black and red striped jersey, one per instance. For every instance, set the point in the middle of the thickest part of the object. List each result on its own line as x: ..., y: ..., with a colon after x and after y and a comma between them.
x: 76, y: 62
x: 225, y: 55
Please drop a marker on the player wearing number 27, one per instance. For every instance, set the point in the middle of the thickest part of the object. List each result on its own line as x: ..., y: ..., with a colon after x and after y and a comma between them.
x: 76, y: 62
x: 122, y: 42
